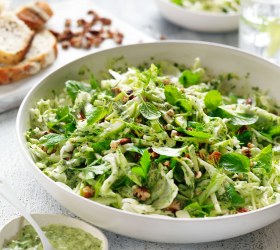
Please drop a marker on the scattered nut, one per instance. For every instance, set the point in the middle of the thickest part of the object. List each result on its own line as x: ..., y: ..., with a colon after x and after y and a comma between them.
x: 166, y: 163
x: 174, y: 206
x: 214, y: 157
x: 124, y: 141
x: 142, y: 193
x: 198, y: 175
x: 88, y: 33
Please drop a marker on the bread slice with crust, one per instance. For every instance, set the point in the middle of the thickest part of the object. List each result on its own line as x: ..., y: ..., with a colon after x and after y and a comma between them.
x: 15, y: 38
x: 42, y: 53
x: 35, y: 14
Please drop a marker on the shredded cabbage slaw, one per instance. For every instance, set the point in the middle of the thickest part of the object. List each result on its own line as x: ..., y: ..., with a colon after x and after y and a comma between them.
x: 215, y: 6
x: 166, y: 140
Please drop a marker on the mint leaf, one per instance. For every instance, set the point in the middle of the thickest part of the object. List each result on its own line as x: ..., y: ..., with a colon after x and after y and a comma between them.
x: 264, y: 159
x: 244, y: 119
x: 171, y: 152
x: 98, y: 147
x: 274, y: 131
x: 145, y: 163
x: 198, y: 134
x: 213, y: 99
x: 188, y: 78
x: 74, y: 87
x: 196, y: 210
x: 149, y: 111
x: 176, y: 98
x: 96, y: 115
x: 235, y: 162
x: 172, y: 94
x: 235, y: 198
x: 50, y: 140
x: 237, y: 119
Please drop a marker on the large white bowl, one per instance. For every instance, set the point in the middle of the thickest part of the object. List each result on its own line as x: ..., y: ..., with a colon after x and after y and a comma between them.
x: 218, y: 59
x: 198, y: 20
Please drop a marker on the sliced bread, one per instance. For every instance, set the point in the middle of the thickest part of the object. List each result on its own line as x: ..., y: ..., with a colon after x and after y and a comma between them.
x: 42, y: 53
x: 15, y: 38
x: 35, y: 14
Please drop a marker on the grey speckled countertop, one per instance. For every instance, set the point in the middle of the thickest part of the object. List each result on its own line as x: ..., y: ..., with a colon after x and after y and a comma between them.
x: 144, y: 16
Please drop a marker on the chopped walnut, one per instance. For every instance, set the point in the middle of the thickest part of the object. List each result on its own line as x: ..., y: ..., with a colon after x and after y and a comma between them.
x: 124, y: 141
x: 166, y: 163
x: 90, y: 32
x: 114, y: 145
x: 214, y: 157
x: 170, y: 112
x: 174, y: 206
x: 250, y: 145
x: 246, y: 151
x: 142, y: 193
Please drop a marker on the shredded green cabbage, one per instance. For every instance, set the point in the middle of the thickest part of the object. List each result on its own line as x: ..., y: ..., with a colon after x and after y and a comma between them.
x: 164, y: 140
x: 222, y: 6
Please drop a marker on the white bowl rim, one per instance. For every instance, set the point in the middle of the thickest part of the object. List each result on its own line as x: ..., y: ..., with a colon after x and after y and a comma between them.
x: 116, y: 210
x: 64, y: 217
x: 200, y: 12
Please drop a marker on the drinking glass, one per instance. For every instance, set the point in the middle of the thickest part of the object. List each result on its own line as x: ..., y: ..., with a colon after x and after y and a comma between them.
x: 259, y: 28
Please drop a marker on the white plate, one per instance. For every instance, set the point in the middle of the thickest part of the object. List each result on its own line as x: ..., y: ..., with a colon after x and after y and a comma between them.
x: 218, y: 59
x: 11, y: 229
x: 198, y: 20
x: 12, y: 94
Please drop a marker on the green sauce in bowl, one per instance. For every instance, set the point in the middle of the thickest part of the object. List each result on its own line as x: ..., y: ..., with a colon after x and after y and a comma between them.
x: 61, y: 238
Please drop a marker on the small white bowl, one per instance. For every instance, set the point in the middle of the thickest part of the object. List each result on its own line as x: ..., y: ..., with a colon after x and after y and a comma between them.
x: 10, y: 229
x: 198, y: 20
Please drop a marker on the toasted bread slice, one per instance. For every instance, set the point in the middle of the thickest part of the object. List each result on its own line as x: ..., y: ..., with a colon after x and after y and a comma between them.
x: 42, y: 53
x: 35, y: 15
x: 15, y: 38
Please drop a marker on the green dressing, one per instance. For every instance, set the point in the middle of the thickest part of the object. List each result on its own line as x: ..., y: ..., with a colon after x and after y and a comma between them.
x: 61, y: 237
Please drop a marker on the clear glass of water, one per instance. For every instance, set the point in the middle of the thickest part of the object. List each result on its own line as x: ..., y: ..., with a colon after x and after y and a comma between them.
x: 259, y: 28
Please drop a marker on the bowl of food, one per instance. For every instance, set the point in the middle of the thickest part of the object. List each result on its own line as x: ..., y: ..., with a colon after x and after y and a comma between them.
x: 178, y: 140
x: 63, y: 232
x: 204, y: 16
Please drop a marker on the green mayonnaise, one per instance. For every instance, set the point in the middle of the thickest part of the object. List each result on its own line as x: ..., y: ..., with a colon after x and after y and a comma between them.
x: 61, y: 237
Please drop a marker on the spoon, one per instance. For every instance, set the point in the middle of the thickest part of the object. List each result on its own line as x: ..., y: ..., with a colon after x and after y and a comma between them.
x: 6, y: 192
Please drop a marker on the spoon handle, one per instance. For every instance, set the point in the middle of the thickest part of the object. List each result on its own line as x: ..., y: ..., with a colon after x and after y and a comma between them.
x: 6, y: 192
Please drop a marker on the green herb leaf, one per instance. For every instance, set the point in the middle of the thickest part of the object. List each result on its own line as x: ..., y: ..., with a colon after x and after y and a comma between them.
x: 172, y: 94
x: 145, y: 163
x: 235, y: 162
x: 196, y: 210
x: 98, y: 147
x: 235, y: 198
x: 213, y: 99
x: 198, y: 134
x: 274, y: 131
x: 96, y: 115
x: 176, y: 98
x: 149, y: 111
x: 50, y: 140
x: 188, y: 78
x: 264, y: 159
x: 171, y: 152
x: 74, y: 87
x: 244, y: 119
x: 237, y: 119
x: 245, y: 137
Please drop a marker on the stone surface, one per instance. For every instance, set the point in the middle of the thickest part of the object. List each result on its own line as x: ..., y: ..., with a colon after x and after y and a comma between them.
x: 143, y: 15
